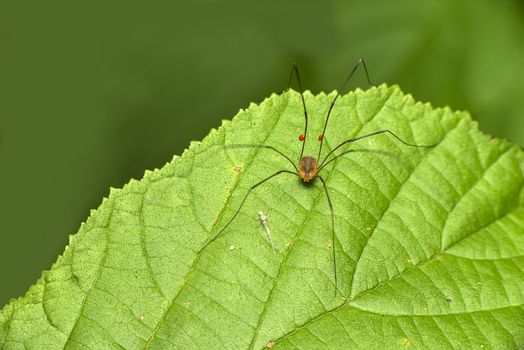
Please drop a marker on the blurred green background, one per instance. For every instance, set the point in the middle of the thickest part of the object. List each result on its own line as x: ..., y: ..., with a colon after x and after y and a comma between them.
x: 93, y: 93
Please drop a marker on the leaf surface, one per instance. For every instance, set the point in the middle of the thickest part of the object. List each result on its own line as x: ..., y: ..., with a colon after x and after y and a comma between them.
x: 429, y: 241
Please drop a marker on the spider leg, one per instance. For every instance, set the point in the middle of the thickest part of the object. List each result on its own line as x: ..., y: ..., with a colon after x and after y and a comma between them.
x: 350, y: 75
x: 266, y: 147
x: 332, y: 232
x: 381, y: 152
x: 373, y: 134
x: 242, y: 204
x: 294, y: 69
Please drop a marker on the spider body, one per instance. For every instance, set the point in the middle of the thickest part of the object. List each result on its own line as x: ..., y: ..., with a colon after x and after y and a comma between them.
x: 308, y: 168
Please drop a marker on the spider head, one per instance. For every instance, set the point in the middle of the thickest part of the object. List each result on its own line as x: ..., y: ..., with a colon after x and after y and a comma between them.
x: 308, y: 168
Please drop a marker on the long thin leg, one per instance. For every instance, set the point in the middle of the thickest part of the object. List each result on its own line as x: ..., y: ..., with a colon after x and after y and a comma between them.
x: 369, y: 135
x: 359, y: 62
x: 332, y: 232
x: 266, y: 147
x: 381, y: 152
x: 242, y: 203
x: 295, y: 69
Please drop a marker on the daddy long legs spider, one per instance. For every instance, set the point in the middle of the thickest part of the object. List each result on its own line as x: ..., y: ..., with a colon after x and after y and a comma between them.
x: 308, y: 168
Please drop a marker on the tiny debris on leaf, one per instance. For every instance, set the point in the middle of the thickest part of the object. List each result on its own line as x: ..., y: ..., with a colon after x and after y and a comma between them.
x: 407, y: 342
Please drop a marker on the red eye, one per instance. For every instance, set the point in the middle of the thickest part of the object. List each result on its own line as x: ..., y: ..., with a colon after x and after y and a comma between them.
x: 301, y: 137
x: 320, y: 137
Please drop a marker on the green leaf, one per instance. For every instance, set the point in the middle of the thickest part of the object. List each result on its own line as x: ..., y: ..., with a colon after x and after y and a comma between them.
x: 429, y: 242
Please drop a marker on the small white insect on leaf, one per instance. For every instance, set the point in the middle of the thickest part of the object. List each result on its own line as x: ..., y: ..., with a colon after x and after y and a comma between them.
x: 265, y: 225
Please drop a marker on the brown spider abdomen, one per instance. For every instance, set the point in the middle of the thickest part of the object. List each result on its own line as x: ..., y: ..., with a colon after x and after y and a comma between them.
x: 308, y: 168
